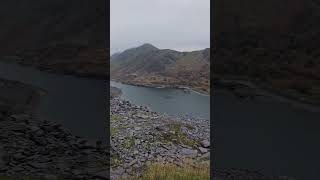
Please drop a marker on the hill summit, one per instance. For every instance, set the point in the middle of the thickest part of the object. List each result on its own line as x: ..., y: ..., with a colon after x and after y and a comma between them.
x: 150, y: 66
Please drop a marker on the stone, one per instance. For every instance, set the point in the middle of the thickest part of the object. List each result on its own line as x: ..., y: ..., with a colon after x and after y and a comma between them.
x: 137, y: 128
x: 142, y: 116
x: 205, y: 156
x: 20, y: 116
x: 34, y: 128
x: 103, y: 175
x: 38, y: 165
x: 188, y: 152
x: 137, y: 142
x: 18, y: 156
x: 203, y: 150
x: 119, y: 171
x: 126, y: 165
x: 205, y: 143
x: 133, y: 162
x: 3, y: 157
x: 51, y: 177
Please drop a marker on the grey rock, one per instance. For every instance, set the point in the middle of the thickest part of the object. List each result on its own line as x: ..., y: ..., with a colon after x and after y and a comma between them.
x: 51, y: 177
x: 205, y: 143
x: 137, y: 128
x: 133, y: 162
x: 34, y: 128
x: 137, y: 142
x: 205, y: 156
x: 203, y: 150
x: 20, y: 116
x: 3, y: 157
x: 188, y: 152
x: 38, y: 165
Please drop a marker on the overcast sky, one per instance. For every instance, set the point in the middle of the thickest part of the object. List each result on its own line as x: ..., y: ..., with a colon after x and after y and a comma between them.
x: 182, y: 25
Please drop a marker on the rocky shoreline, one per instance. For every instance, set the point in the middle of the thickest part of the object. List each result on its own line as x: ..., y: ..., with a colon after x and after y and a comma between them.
x: 185, y: 88
x: 36, y: 148
x: 67, y: 59
x: 246, y: 89
x: 140, y: 137
x: 114, y: 92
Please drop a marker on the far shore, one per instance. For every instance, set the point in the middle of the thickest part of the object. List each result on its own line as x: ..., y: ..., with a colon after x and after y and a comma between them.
x: 185, y: 88
x: 260, y: 90
x: 226, y: 85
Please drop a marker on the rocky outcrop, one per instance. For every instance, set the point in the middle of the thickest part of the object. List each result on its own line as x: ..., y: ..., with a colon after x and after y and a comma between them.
x: 44, y: 149
x: 140, y: 137
x: 36, y: 148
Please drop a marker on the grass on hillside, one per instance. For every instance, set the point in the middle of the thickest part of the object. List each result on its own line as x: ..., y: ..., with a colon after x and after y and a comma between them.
x: 176, y: 135
x: 158, y: 171
x: 116, y: 117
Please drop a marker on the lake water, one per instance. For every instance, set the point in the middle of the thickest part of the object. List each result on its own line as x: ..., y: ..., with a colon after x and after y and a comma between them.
x: 264, y: 134
x: 80, y: 104
x: 167, y: 100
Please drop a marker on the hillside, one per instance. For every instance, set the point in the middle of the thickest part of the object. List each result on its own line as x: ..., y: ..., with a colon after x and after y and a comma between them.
x: 149, y: 66
x: 63, y: 36
x: 273, y: 44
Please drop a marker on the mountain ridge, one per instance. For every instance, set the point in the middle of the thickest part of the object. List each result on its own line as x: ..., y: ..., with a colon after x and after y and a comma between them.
x: 60, y: 36
x: 162, y: 67
x: 36, y: 24
x: 273, y: 44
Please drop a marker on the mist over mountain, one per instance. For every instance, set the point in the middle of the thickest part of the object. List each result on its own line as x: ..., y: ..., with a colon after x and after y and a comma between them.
x: 150, y: 66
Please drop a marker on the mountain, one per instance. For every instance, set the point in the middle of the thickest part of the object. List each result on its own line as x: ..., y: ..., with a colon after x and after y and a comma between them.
x: 150, y: 66
x: 64, y: 36
x: 274, y: 44
x: 261, y: 22
x: 39, y: 23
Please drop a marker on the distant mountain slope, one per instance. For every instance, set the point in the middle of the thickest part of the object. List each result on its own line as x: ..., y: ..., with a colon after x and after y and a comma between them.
x: 150, y: 66
x: 273, y: 43
x: 58, y: 35
x: 39, y: 23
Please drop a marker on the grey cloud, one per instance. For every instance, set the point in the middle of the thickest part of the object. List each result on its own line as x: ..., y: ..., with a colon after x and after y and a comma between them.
x: 174, y: 24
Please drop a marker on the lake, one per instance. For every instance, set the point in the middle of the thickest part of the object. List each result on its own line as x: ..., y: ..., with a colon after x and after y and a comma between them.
x: 265, y: 134
x: 80, y: 104
x: 167, y: 100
